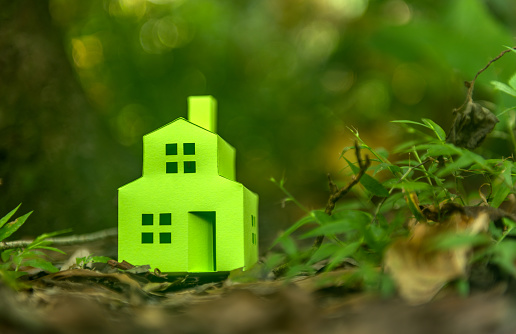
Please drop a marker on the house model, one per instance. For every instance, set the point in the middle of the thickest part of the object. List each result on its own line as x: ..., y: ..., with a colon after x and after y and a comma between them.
x: 187, y: 213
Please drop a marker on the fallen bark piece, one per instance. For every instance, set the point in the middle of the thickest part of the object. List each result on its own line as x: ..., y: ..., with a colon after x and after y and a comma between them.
x: 124, y: 265
x: 424, y: 262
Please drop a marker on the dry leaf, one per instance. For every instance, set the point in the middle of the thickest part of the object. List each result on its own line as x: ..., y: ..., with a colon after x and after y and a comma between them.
x: 419, y: 269
x: 471, y: 126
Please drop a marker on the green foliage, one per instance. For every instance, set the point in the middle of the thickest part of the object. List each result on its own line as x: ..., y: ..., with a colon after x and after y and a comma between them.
x: 14, y: 259
x: 81, y: 262
x: 430, y: 171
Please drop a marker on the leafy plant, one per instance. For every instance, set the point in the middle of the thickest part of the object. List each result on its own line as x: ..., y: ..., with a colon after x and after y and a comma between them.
x: 82, y: 262
x: 16, y: 258
x: 432, y: 172
x: 437, y: 182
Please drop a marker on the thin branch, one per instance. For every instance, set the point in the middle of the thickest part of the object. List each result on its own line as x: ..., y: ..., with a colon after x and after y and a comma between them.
x: 335, y: 195
x: 64, y: 241
x: 471, y: 84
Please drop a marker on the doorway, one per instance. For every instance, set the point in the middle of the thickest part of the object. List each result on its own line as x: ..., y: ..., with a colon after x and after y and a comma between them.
x: 201, y: 241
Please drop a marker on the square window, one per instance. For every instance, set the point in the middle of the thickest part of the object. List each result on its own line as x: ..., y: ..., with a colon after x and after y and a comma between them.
x: 147, y: 219
x: 189, y: 166
x: 165, y: 219
x: 147, y: 238
x: 171, y: 149
x: 165, y: 238
x: 171, y: 167
x: 189, y: 148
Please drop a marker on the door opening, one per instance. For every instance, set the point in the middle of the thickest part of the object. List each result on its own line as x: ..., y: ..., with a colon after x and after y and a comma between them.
x: 201, y: 241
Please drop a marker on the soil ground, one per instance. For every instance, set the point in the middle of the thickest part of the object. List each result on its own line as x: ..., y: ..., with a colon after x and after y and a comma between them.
x: 106, y: 300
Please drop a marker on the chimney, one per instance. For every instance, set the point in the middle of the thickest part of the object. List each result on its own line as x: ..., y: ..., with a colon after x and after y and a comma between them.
x: 202, y: 110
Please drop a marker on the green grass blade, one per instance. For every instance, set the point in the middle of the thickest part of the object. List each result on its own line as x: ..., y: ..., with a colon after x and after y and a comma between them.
x: 53, y: 249
x: 50, y: 235
x: 439, y: 132
x: 8, y: 216
x: 41, y: 264
x: 371, y: 184
x: 404, y: 121
x: 303, y: 221
x: 12, y: 227
x: 504, y: 88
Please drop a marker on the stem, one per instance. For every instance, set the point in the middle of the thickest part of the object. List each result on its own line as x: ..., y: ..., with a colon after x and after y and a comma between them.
x: 422, y: 166
x: 292, y: 198
x: 471, y: 84
x: 377, y: 211
x: 64, y: 241
x: 506, y: 233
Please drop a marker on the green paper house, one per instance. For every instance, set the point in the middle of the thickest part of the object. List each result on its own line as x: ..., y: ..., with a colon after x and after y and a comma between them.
x: 187, y: 213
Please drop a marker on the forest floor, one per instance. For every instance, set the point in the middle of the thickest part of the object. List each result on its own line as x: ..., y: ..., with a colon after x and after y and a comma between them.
x: 106, y: 300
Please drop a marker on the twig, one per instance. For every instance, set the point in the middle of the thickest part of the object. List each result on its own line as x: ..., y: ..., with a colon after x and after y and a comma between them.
x: 64, y: 241
x: 471, y: 84
x: 335, y: 195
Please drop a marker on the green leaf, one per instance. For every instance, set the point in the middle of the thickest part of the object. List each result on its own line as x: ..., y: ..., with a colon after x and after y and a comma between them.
x: 408, y: 145
x: 332, y: 228
x: 509, y: 223
x: 32, y: 253
x: 343, y: 221
x: 414, y: 209
x: 12, y: 227
x: 455, y: 240
x: 504, y: 256
x: 295, y: 270
x: 412, y: 186
x: 462, y: 162
x: 6, y: 255
x: 463, y: 287
x: 325, y: 251
x: 495, y: 232
x: 376, y: 237
x: 435, y: 150
x: 288, y: 245
x: 512, y: 81
x: 502, y: 186
x: 321, y: 217
x: 343, y: 253
x: 504, y: 88
x: 100, y: 259
x: 11, y: 278
x: 345, y: 149
x: 303, y: 221
x: 51, y: 249
x: 373, y: 186
x: 404, y: 121
x: 439, y: 132
x: 274, y: 260
x: 41, y: 264
x: 50, y: 235
x: 478, y: 159
x: 382, y: 152
x: 8, y: 216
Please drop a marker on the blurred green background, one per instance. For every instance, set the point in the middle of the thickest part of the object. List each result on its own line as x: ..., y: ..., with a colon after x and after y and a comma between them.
x: 82, y: 81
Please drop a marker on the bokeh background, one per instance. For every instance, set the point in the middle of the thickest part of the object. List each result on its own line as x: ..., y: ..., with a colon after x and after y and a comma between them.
x: 82, y: 81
